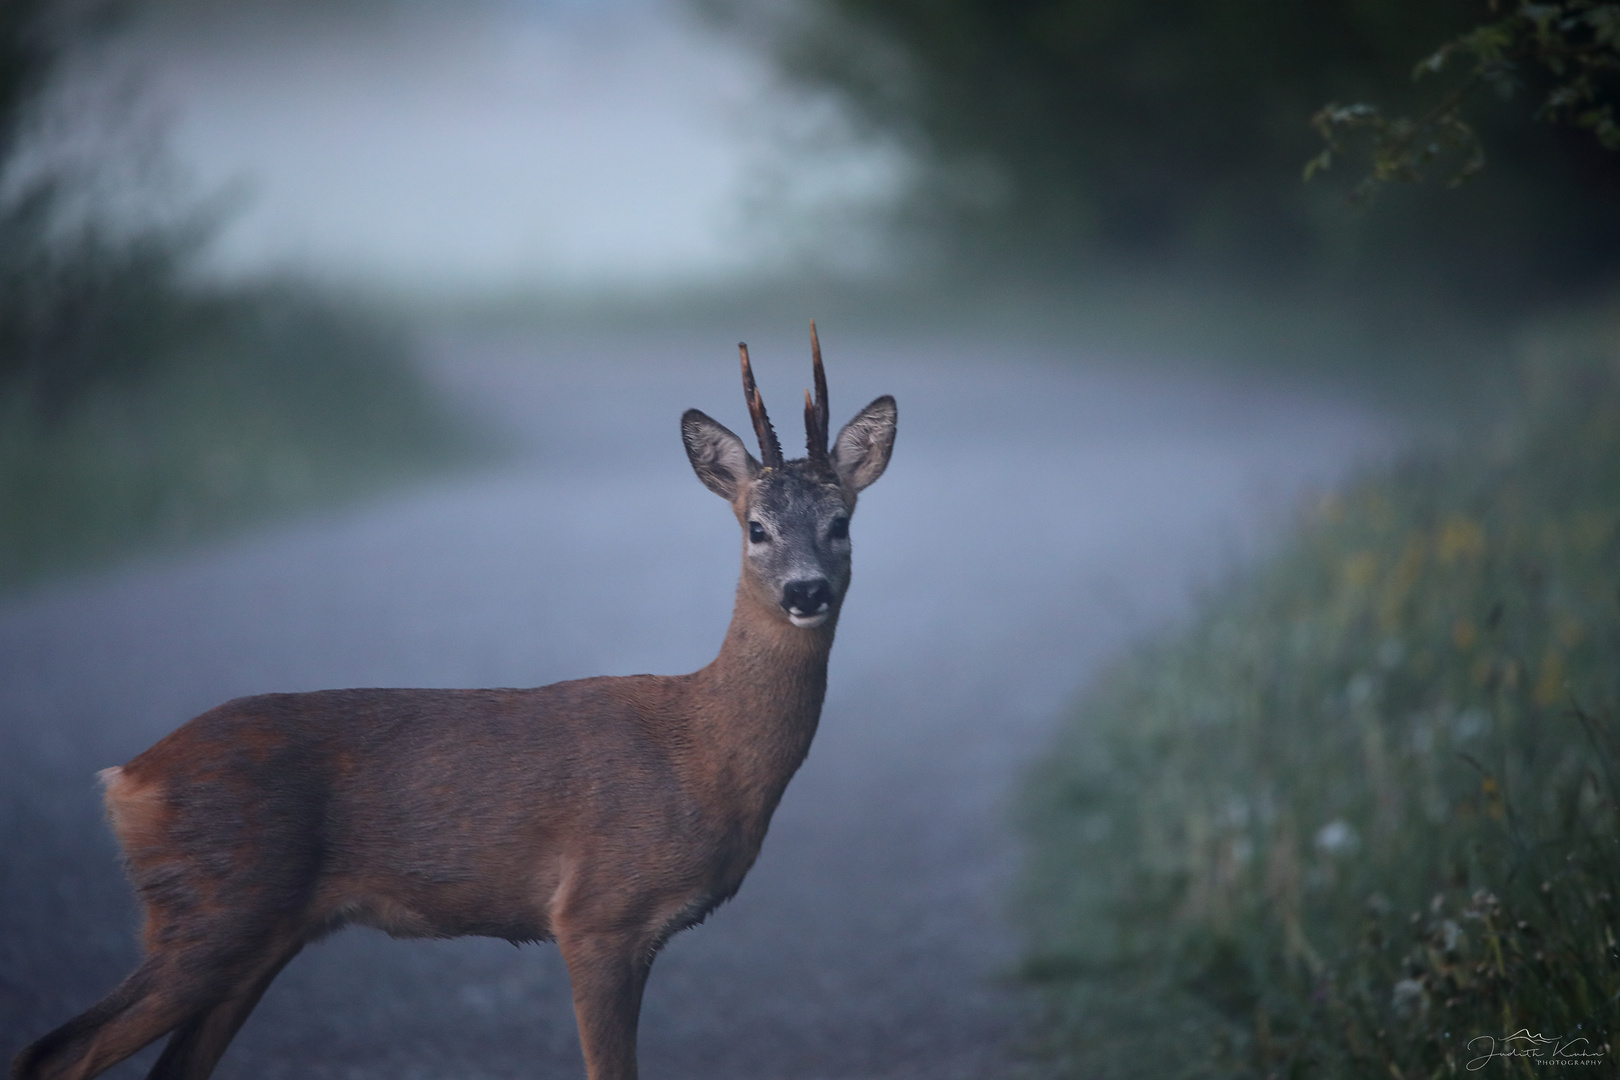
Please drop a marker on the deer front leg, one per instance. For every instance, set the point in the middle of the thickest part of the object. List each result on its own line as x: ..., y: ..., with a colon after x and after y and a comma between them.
x: 608, y: 972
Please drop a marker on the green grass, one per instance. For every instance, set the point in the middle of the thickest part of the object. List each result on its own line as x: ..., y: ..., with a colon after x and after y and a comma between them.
x: 1361, y: 811
x: 197, y: 412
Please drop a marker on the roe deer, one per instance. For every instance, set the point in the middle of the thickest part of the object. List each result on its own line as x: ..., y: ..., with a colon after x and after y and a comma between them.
x: 605, y: 814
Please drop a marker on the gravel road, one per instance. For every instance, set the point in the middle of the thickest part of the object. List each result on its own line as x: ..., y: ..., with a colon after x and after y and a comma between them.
x: 1041, y: 512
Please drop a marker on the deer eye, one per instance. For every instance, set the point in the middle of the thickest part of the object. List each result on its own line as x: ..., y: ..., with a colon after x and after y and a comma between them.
x: 756, y: 533
x: 839, y: 529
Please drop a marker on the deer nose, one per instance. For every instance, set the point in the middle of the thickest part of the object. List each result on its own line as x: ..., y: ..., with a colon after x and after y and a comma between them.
x: 810, y: 597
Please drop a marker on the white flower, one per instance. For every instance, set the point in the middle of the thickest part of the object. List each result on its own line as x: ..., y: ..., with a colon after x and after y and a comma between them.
x: 1408, y: 997
x: 1337, y: 837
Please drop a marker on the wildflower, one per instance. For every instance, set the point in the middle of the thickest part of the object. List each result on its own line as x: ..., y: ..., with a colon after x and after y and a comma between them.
x: 1337, y: 837
x: 1408, y: 998
x: 1460, y: 538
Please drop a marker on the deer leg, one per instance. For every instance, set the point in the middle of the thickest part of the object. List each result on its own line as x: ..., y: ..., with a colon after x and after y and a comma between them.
x: 139, y: 1010
x: 53, y: 1054
x: 608, y: 975
x: 174, y: 988
x: 197, y: 1045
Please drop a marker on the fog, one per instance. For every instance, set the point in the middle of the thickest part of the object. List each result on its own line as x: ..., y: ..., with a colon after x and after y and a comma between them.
x: 505, y: 147
x: 1049, y: 504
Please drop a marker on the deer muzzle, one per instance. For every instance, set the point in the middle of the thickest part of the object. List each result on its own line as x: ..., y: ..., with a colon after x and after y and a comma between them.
x: 807, y: 602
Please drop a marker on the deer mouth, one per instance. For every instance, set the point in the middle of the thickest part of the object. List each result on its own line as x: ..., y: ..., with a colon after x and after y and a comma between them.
x: 799, y: 619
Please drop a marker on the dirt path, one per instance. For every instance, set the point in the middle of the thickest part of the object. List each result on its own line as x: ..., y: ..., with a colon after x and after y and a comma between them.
x: 1038, y: 516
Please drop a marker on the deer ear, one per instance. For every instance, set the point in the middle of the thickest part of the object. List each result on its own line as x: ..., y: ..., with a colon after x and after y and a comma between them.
x: 861, y: 451
x: 718, y: 457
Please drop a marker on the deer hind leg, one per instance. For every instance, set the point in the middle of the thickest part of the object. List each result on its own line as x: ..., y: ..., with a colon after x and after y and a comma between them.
x: 608, y: 974
x: 200, y: 1041
x: 202, y: 994
x: 80, y: 1048
x: 144, y: 1007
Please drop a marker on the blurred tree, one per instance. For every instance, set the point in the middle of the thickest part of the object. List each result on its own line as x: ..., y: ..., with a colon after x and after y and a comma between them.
x: 1573, y: 47
x: 80, y: 303
x: 26, y: 61
x: 142, y: 404
x: 35, y: 38
x: 1059, y: 130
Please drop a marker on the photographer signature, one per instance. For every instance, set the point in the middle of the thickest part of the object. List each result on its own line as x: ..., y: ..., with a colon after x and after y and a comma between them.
x: 1525, y: 1044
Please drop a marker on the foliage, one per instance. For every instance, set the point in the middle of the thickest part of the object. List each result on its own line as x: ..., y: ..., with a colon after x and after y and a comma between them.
x: 251, y: 403
x: 139, y: 407
x: 1362, y: 813
x: 1056, y: 131
x: 26, y: 60
x: 83, y: 309
x: 1574, y: 48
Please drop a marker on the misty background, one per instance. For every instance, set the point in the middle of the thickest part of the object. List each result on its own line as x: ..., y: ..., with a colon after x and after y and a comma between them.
x: 495, y: 150
x: 343, y: 344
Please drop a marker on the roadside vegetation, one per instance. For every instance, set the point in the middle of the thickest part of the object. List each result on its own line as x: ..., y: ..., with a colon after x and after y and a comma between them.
x: 203, y: 411
x: 143, y: 407
x: 1358, y: 818
x: 1062, y: 139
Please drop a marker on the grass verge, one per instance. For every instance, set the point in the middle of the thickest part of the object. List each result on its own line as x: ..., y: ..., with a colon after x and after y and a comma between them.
x: 222, y: 408
x: 1359, y: 817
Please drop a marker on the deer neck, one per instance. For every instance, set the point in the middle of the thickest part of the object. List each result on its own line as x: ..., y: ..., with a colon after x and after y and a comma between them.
x: 764, y: 693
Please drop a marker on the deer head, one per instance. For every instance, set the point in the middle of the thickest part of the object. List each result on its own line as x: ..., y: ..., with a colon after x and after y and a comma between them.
x: 794, y: 514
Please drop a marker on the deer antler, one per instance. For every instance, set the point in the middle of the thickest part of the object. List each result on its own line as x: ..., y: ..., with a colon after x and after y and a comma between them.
x: 815, y: 413
x: 770, y: 451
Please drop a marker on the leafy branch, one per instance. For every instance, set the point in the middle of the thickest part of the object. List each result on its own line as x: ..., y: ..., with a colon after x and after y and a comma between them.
x: 1573, y: 43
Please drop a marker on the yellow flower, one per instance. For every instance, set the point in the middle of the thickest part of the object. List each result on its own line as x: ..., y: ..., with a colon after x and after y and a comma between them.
x: 1460, y: 537
x: 1550, y: 681
x: 1494, y: 805
x: 1360, y: 569
x: 1570, y: 631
